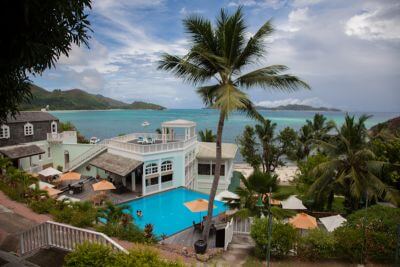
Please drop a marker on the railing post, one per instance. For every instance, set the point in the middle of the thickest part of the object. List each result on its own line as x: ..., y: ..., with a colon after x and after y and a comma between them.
x: 48, y: 234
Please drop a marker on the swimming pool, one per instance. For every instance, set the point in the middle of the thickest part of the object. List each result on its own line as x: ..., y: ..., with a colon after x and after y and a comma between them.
x: 167, y: 212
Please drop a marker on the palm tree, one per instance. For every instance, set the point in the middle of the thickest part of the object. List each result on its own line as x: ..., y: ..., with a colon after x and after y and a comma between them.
x: 352, y: 169
x: 220, y: 53
x: 207, y: 136
x: 320, y: 127
x: 114, y: 215
x: 265, y: 132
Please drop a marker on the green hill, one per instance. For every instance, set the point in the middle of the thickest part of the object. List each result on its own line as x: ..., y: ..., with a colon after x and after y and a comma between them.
x: 77, y: 99
x: 297, y: 107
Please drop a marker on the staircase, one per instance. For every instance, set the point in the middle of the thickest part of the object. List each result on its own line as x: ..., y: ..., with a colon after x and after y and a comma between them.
x: 61, y: 236
x: 88, y: 155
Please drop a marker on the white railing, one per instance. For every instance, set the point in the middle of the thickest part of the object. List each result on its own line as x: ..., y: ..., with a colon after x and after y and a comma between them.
x: 151, y: 188
x: 60, y: 137
x: 228, y: 234
x: 87, y: 155
x: 166, y: 185
x: 148, y: 148
x: 62, y: 236
x: 242, y: 226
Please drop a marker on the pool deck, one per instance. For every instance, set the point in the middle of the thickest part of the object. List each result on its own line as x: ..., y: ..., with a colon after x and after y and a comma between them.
x: 187, y: 238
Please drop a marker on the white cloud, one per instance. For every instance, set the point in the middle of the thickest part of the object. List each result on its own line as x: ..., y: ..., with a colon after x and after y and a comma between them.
x: 315, y: 102
x: 303, y: 3
x: 380, y: 22
x: 275, y: 4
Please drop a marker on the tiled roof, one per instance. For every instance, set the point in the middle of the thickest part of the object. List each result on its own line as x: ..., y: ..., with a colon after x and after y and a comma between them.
x: 21, y: 151
x: 30, y: 116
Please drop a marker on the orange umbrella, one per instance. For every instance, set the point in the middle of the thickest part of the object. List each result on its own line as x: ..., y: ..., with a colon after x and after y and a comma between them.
x: 197, y: 205
x: 303, y: 221
x: 70, y: 176
x: 103, y: 185
x: 52, y: 191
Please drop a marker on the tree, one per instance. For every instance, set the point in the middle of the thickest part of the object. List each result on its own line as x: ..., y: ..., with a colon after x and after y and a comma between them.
x: 207, y: 135
x: 248, y: 147
x: 68, y: 126
x: 352, y: 169
x: 35, y: 34
x: 265, y: 132
x: 220, y: 53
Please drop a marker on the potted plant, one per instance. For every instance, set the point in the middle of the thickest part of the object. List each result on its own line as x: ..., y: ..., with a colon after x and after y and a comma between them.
x: 200, y: 246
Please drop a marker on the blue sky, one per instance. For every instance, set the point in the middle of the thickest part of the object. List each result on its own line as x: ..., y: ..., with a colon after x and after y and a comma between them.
x: 347, y: 50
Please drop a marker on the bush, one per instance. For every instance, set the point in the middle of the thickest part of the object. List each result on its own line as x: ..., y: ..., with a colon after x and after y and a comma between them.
x: 129, y: 232
x: 79, y: 214
x: 317, y: 244
x: 284, y: 237
x: 42, y: 206
x: 369, y: 234
x: 100, y: 255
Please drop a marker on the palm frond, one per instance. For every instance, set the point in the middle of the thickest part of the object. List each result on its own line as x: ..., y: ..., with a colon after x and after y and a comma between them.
x: 229, y: 98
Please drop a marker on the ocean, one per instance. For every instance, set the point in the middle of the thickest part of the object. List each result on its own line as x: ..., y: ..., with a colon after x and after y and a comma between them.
x: 109, y: 123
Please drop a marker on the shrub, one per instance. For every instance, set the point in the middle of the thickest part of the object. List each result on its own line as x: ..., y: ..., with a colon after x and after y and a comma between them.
x: 99, y: 255
x: 129, y: 232
x: 317, y: 244
x: 88, y: 254
x: 369, y: 234
x: 42, y: 206
x: 284, y: 237
x: 79, y: 214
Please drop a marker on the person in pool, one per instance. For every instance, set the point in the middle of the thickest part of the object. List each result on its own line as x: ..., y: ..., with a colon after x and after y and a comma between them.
x: 139, y: 213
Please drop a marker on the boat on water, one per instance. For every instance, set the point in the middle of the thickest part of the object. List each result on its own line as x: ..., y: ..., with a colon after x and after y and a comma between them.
x: 94, y: 140
x: 145, y: 123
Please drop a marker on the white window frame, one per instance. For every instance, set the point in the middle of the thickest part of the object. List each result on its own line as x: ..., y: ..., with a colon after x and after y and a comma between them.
x: 166, y: 165
x: 4, y: 131
x: 28, y: 129
x: 151, y: 168
x: 53, y: 127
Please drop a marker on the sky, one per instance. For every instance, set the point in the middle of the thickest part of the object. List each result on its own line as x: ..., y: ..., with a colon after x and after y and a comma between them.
x: 347, y: 50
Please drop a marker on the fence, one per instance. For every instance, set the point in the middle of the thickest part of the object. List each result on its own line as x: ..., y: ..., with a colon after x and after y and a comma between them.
x: 62, y: 236
x: 242, y: 226
x: 228, y: 234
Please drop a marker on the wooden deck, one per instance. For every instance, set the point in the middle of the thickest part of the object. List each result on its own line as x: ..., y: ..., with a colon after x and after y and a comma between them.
x: 187, y: 238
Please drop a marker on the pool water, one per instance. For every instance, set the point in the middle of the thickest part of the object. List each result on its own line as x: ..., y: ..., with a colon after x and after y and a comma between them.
x: 166, y: 211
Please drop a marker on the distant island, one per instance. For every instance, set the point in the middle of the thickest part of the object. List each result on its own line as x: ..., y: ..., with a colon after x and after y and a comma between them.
x: 297, y: 107
x: 77, y: 99
x: 391, y: 126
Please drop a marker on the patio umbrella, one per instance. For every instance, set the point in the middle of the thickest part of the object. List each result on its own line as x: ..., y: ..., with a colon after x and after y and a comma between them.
x: 42, y: 185
x: 103, y: 186
x: 70, y: 176
x: 198, y: 205
x: 52, y: 191
x: 303, y: 221
x: 49, y: 172
x: 226, y: 195
x: 332, y: 222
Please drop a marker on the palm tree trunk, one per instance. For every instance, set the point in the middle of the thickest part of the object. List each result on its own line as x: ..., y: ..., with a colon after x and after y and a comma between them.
x: 217, y: 174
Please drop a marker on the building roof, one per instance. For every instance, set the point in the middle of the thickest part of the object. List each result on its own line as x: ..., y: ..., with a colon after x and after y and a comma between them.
x: 116, y: 164
x: 292, y: 203
x: 332, y: 222
x: 178, y: 123
x: 31, y: 116
x: 208, y: 150
x: 21, y: 151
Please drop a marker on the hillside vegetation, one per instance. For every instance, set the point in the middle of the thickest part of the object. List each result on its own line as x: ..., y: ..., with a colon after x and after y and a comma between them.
x: 77, y: 99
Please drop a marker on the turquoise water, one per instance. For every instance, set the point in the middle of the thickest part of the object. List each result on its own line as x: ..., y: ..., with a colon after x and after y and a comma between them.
x: 167, y: 212
x: 109, y: 123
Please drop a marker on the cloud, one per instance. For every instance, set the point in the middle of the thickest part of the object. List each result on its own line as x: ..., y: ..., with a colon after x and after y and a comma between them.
x: 315, y: 102
x: 378, y: 22
x: 304, y: 3
x: 275, y: 4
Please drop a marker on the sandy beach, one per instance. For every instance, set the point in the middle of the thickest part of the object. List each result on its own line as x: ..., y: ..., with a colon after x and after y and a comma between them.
x: 285, y: 173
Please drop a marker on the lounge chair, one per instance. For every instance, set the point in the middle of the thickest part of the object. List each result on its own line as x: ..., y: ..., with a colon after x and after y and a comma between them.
x: 140, y: 140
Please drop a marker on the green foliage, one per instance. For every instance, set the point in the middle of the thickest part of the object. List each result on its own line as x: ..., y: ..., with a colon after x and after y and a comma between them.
x: 207, y: 136
x: 102, y: 256
x: 42, y: 206
x: 129, y: 232
x: 79, y: 214
x: 387, y: 150
x: 317, y: 244
x: 24, y: 51
x: 248, y: 147
x: 68, y: 126
x: 284, y: 237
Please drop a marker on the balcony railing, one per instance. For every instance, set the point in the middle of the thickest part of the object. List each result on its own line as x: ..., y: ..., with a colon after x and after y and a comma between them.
x: 122, y: 143
x: 61, y: 137
x: 166, y: 185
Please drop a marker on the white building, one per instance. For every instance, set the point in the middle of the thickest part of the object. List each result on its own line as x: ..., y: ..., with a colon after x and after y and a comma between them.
x: 145, y: 163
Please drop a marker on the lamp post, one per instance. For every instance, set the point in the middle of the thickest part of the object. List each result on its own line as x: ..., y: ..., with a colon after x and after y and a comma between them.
x: 269, y: 227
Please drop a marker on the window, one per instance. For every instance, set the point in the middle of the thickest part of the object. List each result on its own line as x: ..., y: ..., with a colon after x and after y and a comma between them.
x: 151, y: 168
x: 28, y: 129
x: 54, y: 127
x: 48, y: 152
x: 166, y: 178
x: 166, y: 166
x: 204, y: 169
x: 40, y: 157
x: 222, y: 172
x: 152, y: 181
x: 4, y: 132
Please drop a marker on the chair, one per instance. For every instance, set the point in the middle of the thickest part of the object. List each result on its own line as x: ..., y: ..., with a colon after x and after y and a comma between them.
x: 140, y: 140
x: 197, y: 226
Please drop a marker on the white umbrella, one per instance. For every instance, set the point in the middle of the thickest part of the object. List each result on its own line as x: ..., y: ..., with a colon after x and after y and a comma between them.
x: 42, y: 185
x: 292, y: 203
x: 68, y: 199
x: 226, y: 195
x: 49, y: 172
x: 332, y: 222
